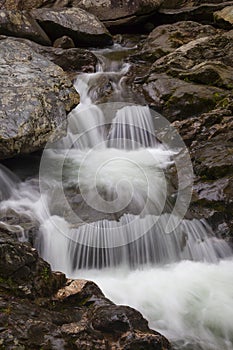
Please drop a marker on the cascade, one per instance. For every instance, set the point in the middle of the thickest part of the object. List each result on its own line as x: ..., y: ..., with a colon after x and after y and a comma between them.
x: 102, y: 203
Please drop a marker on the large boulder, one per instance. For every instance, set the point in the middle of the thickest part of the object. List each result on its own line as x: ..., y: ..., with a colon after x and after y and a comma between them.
x: 179, y: 10
x: 84, y: 28
x: 21, y: 24
x: 178, y: 99
x: 41, y: 309
x: 117, y: 12
x: 36, y: 96
x: 70, y: 60
x: 168, y: 37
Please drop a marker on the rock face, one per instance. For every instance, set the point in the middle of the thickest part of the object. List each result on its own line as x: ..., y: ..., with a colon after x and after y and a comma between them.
x: 82, y: 27
x: 116, y: 12
x: 35, y: 99
x: 185, y: 71
x: 21, y: 24
x: 41, y: 309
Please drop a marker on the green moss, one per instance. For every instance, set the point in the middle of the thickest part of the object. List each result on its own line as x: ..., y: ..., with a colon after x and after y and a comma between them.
x: 45, y: 274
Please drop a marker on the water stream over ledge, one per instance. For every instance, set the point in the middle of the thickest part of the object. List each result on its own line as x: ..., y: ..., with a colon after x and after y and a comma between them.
x: 104, y: 207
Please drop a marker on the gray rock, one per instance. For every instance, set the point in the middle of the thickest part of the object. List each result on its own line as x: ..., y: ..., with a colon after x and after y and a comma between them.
x: 168, y: 37
x: 24, y: 4
x: 36, y: 96
x: 177, y: 99
x: 70, y: 60
x: 21, y: 24
x: 201, y: 11
x: 82, y: 27
x: 116, y: 12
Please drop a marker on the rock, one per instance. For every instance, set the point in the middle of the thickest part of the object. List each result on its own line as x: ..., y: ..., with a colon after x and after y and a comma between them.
x: 70, y: 60
x: 82, y: 27
x: 208, y: 49
x: 209, y: 138
x: 21, y: 24
x: 200, y: 11
x: 168, y: 37
x: 23, y: 272
x: 24, y: 4
x: 118, y: 13
x: 64, y: 43
x: 36, y: 97
x: 224, y: 18
x: 177, y: 99
x: 77, y: 316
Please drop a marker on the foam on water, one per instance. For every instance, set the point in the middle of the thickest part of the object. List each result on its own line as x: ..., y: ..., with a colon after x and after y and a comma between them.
x: 191, y: 303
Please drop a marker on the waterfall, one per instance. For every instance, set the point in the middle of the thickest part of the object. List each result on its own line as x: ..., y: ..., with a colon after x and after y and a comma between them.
x: 103, y: 202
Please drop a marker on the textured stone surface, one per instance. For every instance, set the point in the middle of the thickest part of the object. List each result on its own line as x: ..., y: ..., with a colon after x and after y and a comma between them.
x: 40, y: 309
x: 117, y: 12
x: 82, y: 27
x: 202, y: 11
x: 24, y: 4
x: 168, y: 37
x: 224, y: 18
x: 36, y: 96
x: 21, y: 24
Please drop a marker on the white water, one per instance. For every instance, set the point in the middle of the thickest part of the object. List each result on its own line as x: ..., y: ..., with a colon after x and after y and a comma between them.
x: 114, y: 161
x: 191, y: 303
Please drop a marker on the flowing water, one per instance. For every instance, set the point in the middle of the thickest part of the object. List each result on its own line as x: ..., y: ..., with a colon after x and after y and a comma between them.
x: 107, y: 211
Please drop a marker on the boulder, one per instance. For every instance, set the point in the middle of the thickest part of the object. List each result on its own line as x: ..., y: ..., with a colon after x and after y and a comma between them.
x: 21, y: 24
x: 82, y: 27
x: 217, y: 48
x: 41, y: 309
x: 24, y: 4
x: 168, y: 37
x: 177, y: 99
x: 72, y: 60
x: 201, y: 11
x: 224, y: 18
x: 36, y: 97
x: 118, y: 13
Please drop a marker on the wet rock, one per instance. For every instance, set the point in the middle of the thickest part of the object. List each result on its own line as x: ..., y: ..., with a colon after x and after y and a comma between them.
x: 224, y: 18
x: 77, y: 316
x: 208, y: 49
x: 118, y: 13
x: 81, y: 291
x: 209, y: 138
x: 202, y: 11
x: 21, y: 24
x: 36, y: 97
x: 82, y: 27
x: 168, y: 37
x: 23, y: 273
x: 177, y: 99
x: 70, y: 60
x: 64, y: 42
x: 24, y: 4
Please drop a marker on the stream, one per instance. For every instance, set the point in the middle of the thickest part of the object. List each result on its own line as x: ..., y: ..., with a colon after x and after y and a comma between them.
x: 107, y: 209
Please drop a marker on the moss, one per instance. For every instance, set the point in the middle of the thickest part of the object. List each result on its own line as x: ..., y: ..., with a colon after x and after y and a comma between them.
x: 45, y: 274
